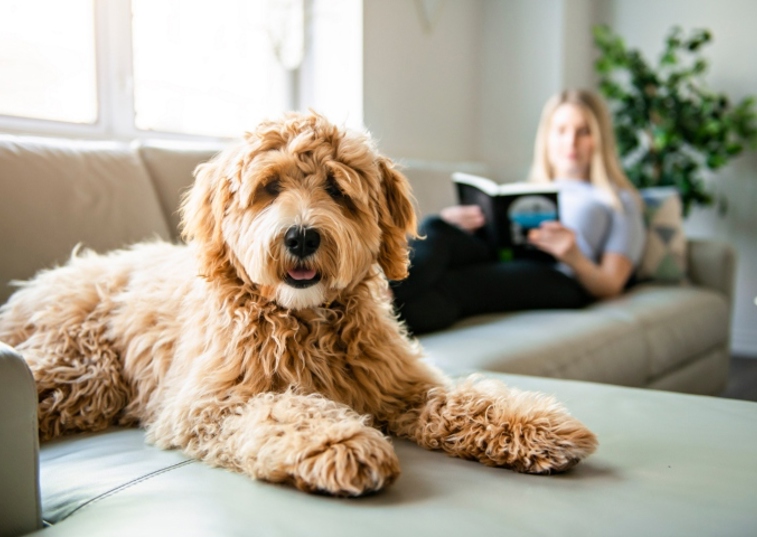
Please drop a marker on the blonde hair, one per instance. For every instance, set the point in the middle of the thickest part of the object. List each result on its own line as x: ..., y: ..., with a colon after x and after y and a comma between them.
x: 605, y: 171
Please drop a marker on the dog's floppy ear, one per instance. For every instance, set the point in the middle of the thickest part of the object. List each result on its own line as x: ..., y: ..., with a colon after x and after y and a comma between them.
x: 202, y: 210
x: 397, y: 221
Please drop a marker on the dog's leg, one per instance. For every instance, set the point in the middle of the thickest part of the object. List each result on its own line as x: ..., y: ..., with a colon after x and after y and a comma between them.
x: 60, y: 323
x: 486, y: 421
x: 78, y: 373
x: 79, y: 383
x: 306, y: 440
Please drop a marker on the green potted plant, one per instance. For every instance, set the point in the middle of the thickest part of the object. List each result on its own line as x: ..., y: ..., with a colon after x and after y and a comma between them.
x: 670, y: 127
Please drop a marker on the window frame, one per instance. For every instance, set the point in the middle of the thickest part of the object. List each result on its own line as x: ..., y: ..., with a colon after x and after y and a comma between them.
x: 115, y: 87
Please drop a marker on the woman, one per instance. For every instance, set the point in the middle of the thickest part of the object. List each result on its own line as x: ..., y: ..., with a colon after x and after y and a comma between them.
x: 597, y: 242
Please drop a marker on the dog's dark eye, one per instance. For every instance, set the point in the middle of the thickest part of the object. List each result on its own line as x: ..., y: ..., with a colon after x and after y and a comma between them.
x: 333, y: 190
x: 273, y: 187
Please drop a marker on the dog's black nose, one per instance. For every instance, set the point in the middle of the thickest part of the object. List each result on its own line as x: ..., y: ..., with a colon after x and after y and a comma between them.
x: 302, y: 241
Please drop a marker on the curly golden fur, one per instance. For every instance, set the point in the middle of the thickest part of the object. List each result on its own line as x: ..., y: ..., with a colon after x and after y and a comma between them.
x: 267, y: 344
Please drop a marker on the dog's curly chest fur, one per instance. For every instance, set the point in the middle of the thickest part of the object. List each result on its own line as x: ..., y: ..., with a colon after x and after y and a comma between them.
x: 317, y: 350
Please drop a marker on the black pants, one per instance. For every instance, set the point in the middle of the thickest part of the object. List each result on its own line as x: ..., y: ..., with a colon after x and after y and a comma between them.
x: 453, y: 275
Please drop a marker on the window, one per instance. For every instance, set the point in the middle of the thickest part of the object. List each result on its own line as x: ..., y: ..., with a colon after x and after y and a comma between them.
x: 47, y: 63
x: 176, y: 68
x: 205, y: 70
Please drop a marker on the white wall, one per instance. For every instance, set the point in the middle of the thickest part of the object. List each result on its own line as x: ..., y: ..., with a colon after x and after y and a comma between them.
x: 420, y: 87
x: 521, y: 69
x: 733, y: 70
x: 530, y: 51
x: 470, y: 88
x: 469, y: 92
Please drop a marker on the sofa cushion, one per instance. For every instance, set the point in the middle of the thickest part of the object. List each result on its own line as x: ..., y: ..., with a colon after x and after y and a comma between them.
x: 171, y: 167
x: 677, y: 322
x: 630, y: 340
x: 551, y: 343
x: 57, y: 193
x: 664, y: 256
x: 114, y: 460
x: 657, y: 472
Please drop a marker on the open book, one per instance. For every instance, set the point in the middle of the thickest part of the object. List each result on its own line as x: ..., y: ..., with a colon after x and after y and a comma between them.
x: 510, y: 210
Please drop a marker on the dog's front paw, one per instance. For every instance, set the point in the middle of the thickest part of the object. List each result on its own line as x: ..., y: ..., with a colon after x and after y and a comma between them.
x: 531, y: 432
x: 544, y: 444
x: 486, y: 421
x: 360, y: 464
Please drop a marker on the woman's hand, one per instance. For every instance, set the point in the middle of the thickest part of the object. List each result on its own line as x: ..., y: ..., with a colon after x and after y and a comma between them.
x: 554, y: 238
x: 602, y: 280
x: 466, y: 217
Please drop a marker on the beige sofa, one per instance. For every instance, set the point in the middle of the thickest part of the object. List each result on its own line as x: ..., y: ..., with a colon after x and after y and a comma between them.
x: 659, y: 470
x: 55, y: 194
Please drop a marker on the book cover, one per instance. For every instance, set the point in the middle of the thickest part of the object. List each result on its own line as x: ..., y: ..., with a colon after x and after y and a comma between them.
x: 511, y: 211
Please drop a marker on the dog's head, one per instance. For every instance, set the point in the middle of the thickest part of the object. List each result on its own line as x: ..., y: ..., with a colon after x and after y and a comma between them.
x: 301, y: 209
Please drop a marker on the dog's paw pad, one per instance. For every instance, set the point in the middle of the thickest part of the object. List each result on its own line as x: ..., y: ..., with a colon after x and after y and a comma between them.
x: 361, y: 464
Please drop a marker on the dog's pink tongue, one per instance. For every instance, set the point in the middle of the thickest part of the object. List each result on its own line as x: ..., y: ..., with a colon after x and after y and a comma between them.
x: 302, y: 274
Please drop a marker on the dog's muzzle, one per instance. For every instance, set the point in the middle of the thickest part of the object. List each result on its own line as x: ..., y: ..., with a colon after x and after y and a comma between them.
x: 302, y: 242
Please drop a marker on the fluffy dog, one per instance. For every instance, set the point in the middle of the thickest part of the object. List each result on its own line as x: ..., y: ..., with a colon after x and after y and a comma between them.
x: 267, y: 344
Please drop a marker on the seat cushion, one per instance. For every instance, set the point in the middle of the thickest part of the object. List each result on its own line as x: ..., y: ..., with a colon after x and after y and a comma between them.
x: 575, y: 344
x: 55, y: 194
x: 657, y: 472
x: 630, y: 340
x: 678, y: 323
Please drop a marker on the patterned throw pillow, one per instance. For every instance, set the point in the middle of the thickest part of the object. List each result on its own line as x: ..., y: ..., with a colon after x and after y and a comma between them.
x: 665, y: 251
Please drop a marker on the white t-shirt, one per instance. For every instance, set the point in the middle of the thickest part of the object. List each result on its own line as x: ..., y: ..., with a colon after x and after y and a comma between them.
x: 599, y: 227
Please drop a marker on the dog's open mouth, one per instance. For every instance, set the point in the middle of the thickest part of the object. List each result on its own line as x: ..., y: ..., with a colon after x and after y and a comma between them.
x: 301, y: 277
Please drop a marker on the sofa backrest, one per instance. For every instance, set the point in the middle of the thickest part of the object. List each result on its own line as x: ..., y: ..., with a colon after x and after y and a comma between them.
x: 171, y: 167
x: 58, y: 193
x: 55, y: 194
x: 432, y: 184
x: 432, y: 190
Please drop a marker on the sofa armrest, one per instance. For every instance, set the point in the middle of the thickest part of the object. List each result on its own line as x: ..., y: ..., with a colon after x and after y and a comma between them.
x: 712, y: 264
x: 20, y: 511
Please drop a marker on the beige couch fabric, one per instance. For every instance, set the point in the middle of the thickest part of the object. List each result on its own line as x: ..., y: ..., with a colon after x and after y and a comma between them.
x: 657, y: 472
x: 66, y: 192
x: 171, y: 167
x: 20, y: 510
x: 632, y: 340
